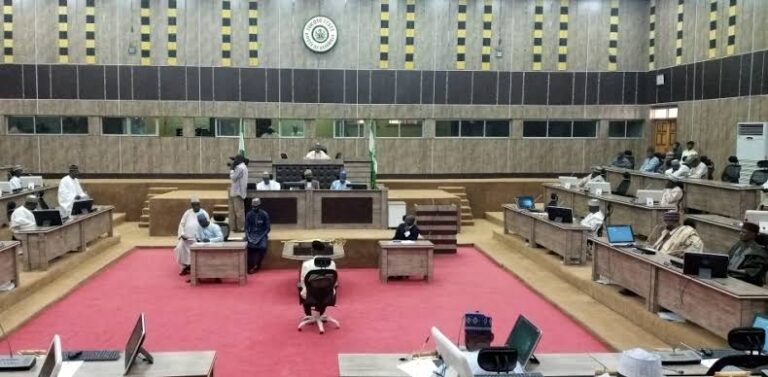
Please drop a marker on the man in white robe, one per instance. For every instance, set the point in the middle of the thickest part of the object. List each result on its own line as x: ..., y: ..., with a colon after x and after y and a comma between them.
x: 188, y: 227
x: 22, y: 218
x: 15, y: 181
x: 69, y: 191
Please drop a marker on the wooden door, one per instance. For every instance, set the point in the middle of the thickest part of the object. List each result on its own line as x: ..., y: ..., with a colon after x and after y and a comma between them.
x: 665, y: 134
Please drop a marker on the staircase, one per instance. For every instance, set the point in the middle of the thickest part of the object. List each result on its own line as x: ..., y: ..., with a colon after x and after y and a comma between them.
x: 466, y: 209
x: 220, y: 210
x: 153, y: 191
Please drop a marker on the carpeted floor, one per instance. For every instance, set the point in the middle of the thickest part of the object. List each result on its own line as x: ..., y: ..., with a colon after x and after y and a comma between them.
x: 253, y: 327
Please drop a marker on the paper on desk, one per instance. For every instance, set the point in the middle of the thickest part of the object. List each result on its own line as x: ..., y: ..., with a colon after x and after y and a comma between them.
x: 708, y: 362
x: 423, y: 367
x: 407, y: 242
x: 69, y: 368
x: 670, y: 316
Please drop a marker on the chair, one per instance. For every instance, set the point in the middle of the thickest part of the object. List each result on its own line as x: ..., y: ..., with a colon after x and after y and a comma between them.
x: 321, y: 293
x: 623, y: 187
x: 743, y: 339
x: 759, y: 176
x: 224, y: 230
x: 283, y: 156
x: 497, y: 359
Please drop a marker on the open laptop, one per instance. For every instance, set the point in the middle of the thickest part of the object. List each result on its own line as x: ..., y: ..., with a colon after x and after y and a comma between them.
x: 620, y: 235
x: 524, y: 337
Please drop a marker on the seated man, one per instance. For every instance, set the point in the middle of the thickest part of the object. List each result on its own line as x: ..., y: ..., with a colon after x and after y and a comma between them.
x: 208, y: 231
x: 70, y: 190
x: 667, y: 163
x: 699, y: 168
x: 679, y: 170
x: 317, y: 153
x: 594, y: 176
x: 651, y: 162
x: 622, y: 161
x: 267, y: 183
x: 15, y: 181
x: 623, y: 187
x: 594, y: 220
x: 689, y: 151
x: 22, y: 218
x: 672, y: 193
x: 306, y: 267
x: 675, y: 240
x: 308, y: 183
x: 342, y: 183
x: 748, y: 260
x: 187, y: 234
x: 407, y: 230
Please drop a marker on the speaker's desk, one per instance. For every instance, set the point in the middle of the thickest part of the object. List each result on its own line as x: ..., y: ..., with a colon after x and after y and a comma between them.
x: 566, y: 240
x: 552, y: 365
x: 218, y: 260
x: 405, y: 258
x: 719, y: 233
x: 47, y: 243
x: 50, y: 194
x: 624, y: 210
x: 9, y: 270
x: 717, y: 305
x: 166, y: 364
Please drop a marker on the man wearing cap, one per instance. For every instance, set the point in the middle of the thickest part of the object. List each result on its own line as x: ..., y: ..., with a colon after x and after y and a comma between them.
x: 672, y: 193
x: 15, y: 181
x: 308, y: 182
x: 638, y: 362
x: 342, y: 183
x: 407, y: 230
x: 594, y: 220
x: 70, y: 190
x: 747, y: 260
x: 267, y: 183
x: 317, y: 153
x: 689, y: 151
x: 257, y: 228
x: 699, y: 168
x: 22, y: 218
x: 238, y: 190
x: 188, y: 227
x: 675, y: 240
x: 595, y: 176
x: 679, y: 170
x: 208, y: 231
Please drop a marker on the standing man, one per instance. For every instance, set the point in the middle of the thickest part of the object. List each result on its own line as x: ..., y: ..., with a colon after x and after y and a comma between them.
x: 237, y: 192
x: 257, y: 227
x: 342, y: 183
x: 69, y: 191
x: 188, y: 227
x: 688, y: 151
x: 15, y: 181
x: 747, y: 260
x: 595, y: 218
x: 22, y: 218
x: 267, y: 183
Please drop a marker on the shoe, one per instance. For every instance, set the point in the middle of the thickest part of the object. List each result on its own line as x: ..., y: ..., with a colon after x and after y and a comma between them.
x: 253, y: 270
x: 184, y: 271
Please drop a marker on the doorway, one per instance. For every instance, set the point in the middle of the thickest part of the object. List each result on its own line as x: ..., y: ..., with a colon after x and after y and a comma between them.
x: 665, y: 134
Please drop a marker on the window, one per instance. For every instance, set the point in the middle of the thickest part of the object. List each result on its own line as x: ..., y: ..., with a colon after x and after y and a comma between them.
x: 348, y: 128
x: 133, y: 126
x: 447, y: 128
x: 626, y: 128
x: 398, y: 128
x: 291, y: 127
x: 472, y: 128
x: 560, y: 128
x: 48, y: 125
x: 170, y: 126
x: 204, y: 126
x: 663, y: 113
x: 227, y: 127
x: 264, y: 128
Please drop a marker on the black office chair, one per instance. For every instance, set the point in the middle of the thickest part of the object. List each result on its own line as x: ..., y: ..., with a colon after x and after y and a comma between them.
x: 759, y: 176
x: 749, y: 339
x: 497, y: 359
x: 321, y: 293
x: 283, y: 156
x: 731, y: 174
x: 224, y: 230
x: 623, y: 187
x: 338, y: 156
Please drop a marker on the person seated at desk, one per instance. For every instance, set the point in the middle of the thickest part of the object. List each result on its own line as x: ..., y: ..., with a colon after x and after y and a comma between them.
x: 678, y: 170
x: 622, y: 161
x: 257, y: 228
x: 672, y: 194
x: 688, y: 152
x: 675, y: 240
x: 317, y: 153
x: 306, y: 267
x: 595, y: 176
x: 407, y: 230
x: 630, y: 157
x: 666, y: 164
x: 22, y: 218
x: 748, y: 260
x: 267, y: 183
x: 69, y: 191
x: 710, y: 167
x: 15, y: 181
x: 732, y: 171
x: 308, y: 183
x: 651, y: 162
x: 594, y: 220
x: 187, y: 233
x: 208, y: 232
x: 342, y: 183
x: 698, y: 167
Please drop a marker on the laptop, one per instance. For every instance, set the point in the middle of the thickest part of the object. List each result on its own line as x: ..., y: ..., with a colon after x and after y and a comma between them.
x: 620, y: 235
x: 524, y: 337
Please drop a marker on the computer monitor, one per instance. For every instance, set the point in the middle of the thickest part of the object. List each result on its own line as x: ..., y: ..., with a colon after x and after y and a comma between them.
x: 47, y: 217
x: 560, y: 214
x: 525, y: 202
x: 524, y: 337
x: 53, y: 359
x: 451, y: 355
x: 604, y: 187
x: 618, y: 234
x: 292, y: 186
x: 570, y: 181
x: 761, y: 322
x: 705, y: 265
x: 82, y: 207
x: 758, y: 217
x: 36, y: 180
x: 357, y: 186
x: 644, y: 195
x: 135, y: 345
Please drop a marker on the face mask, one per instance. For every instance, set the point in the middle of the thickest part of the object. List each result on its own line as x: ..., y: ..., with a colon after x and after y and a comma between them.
x: 196, y: 209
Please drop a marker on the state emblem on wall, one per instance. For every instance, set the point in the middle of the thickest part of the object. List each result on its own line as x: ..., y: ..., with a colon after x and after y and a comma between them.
x: 320, y: 34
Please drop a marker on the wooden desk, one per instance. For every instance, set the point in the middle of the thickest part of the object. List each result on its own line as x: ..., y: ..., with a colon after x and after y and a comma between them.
x: 719, y: 233
x: 167, y: 364
x: 552, y: 365
x: 223, y: 260
x: 405, y: 259
x: 50, y: 195
x: 47, y: 243
x: 9, y: 270
x: 566, y: 240
x: 717, y: 305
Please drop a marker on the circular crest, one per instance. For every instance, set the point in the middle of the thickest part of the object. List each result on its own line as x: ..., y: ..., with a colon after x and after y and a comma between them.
x: 320, y: 34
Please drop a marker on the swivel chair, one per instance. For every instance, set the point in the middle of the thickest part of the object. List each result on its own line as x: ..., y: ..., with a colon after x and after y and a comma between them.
x: 749, y: 339
x: 497, y: 359
x: 223, y: 222
x: 759, y: 176
x: 321, y: 293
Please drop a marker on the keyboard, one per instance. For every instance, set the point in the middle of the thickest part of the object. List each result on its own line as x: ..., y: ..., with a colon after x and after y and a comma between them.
x: 645, y: 249
x: 526, y: 374
x: 14, y: 363
x: 98, y: 355
x: 679, y: 357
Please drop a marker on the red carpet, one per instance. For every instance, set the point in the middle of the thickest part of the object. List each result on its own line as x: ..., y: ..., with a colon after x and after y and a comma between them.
x: 253, y: 327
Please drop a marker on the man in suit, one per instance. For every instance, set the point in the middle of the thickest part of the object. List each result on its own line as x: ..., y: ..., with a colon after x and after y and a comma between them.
x: 308, y: 182
x: 257, y: 228
x: 407, y: 230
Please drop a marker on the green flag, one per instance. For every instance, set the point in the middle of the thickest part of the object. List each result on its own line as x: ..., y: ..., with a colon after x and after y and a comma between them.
x: 372, y: 154
x: 241, y: 143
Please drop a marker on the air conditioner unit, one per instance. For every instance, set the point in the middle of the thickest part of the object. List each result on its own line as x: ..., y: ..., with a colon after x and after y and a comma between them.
x: 751, y: 146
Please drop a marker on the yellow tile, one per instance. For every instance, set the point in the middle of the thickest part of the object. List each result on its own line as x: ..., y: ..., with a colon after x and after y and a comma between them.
x: 226, y: 13
x: 63, y: 43
x: 612, y: 66
x: 679, y: 43
x: 680, y: 8
x: 8, y: 58
x: 62, y: 10
x: 90, y: 27
x: 172, y: 12
x: 145, y: 12
x: 253, y: 13
x: 253, y: 61
x: 385, y: 16
x: 679, y: 26
x: 461, y: 49
x: 487, y: 33
x: 172, y: 46
x: 384, y: 48
x: 730, y: 50
x: 678, y: 60
x: 486, y: 50
x: 410, y: 33
x: 712, y: 35
x: 731, y: 11
x: 226, y: 62
x: 562, y: 50
x: 8, y: 43
x: 712, y: 52
x: 410, y: 49
x: 651, y: 66
x: 538, y: 18
x: 461, y: 33
x: 713, y: 16
x: 538, y: 33
x: 563, y: 18
x: 172, y: 29
x: 253, y: 29
x: 145, y: 29
x: 409, y: 65
x: 537, y: 49
x: 90, y: 60
x: 614, y: 20
x: 461, y: 65
x: 383, y: 64
x: 63, y: 26
x: 146, y: 46
x: 536, y: 66
x: 172, y: 61
x: 613, y: 36
x: 146, y: 61
x: 7, y: 27
x: 90, y: 11
x: 384, y: 32
x: 63, y: 59
x: 90, y: 43
x: 410, y: 17
x: 562, y: 66
x: 613, y: 51
x: 485, y: 66
x: 562, y: 34
x: 462, y: 17
x: 732, y: 30
x: 487, y: 17
x: 226, y: 30
x: 7, y: 9
x: 253, y: 45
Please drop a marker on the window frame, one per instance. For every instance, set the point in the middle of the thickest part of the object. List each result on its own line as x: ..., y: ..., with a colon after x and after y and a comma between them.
x: 280, y: 128
x: 127, y: 127
x: 571, y: 121
x: 217, y: 127
x: 484, y: 135
x: 359, y: 123
x: 626, y: 128
x: 34, y: 125
x: 400, y: 122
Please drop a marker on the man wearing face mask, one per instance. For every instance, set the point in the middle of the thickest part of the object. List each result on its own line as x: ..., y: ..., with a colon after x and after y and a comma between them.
x: 267, y: 183
x: 407, y: 231
x: 188, y: 228
x: 676, y: 239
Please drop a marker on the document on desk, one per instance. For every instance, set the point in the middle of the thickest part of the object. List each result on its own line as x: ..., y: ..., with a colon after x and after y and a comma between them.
x: 421, y: 367
x: 69, y: 368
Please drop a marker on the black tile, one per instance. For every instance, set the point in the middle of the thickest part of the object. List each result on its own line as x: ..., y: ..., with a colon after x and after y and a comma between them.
x: 503, y: 90
x: 193, y: 83
x: 484, y: 87
x: 698, y: 78
x: 145, y: 83
x: 206, y: 84
x: 745, y: 74
x: 729, y: 77
x: 173, y: 84
x: 579, y: 87
x: 441, y: 87
x: 593, y: 88
x: 690, y: 79
x: 711, y: 79
x: 758, y: 73
x: 286, y: 85
x: 30, y: 81
x: 11, y: 77
x: 331, y: 86
x: 350, y: 86
x: 459, y: 88
x: 383, y: 87
x: 253, y: 84
x: 611, y: 88
x: 305, y: 86
x: 226, y: 84
x: 408, y: 88
x: 535, y: 88
x: 677, y: 80
x: 560, y: 88
x: 273, y: 85
x: 428, y: 87
x: 664, y: 92
x: 649, y: 87
x: 364, y: 87
x: 111, y: 90
x: 630, y: 88
x: 91, y: 79
x: 125, y: 82
x: 64, y: 82
x: 765, y: 72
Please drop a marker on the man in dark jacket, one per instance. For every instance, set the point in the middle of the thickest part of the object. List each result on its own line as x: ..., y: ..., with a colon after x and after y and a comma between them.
x: 748, y: 260
x: 257, y: 228
x: 407, y: 230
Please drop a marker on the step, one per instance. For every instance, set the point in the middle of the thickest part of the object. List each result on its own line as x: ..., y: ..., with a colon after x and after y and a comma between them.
x: 221, y: 207
x: 161, y: 190
x: 150, y: 196
x: 451, y: 188
x: 467, y: 222
x: 496, y: 218
x: 146, y: 204
x: 466, y: 216
x: 118, y: 218
x: 144, y: 219
x: 143, y: 225
x: 145, y: 211
x: 464, y: 202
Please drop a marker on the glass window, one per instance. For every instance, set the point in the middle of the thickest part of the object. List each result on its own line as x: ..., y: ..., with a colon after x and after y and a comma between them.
x: 497, y: 128
x: 617, y: 128
x: 585, y: 128
x: 74, y: 125
x: 349, y: 128
x: 411, y: 128
x: 323, y: 127
x: 227, y: 127
x: 142, y: 126
x: 559, y: 128
x: 204, y: 126
x: 48, y: 125
x: 635, y: 128
x: 113, y: 126
x: 447, y: 128
x: 472, y: 128
x: 264, y: 128
x: 170, y: 126
x: 398, y: 128
x: 292, y: 127
x: 535, y: 128
x: 21, y: 125
x: 387, y: 128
